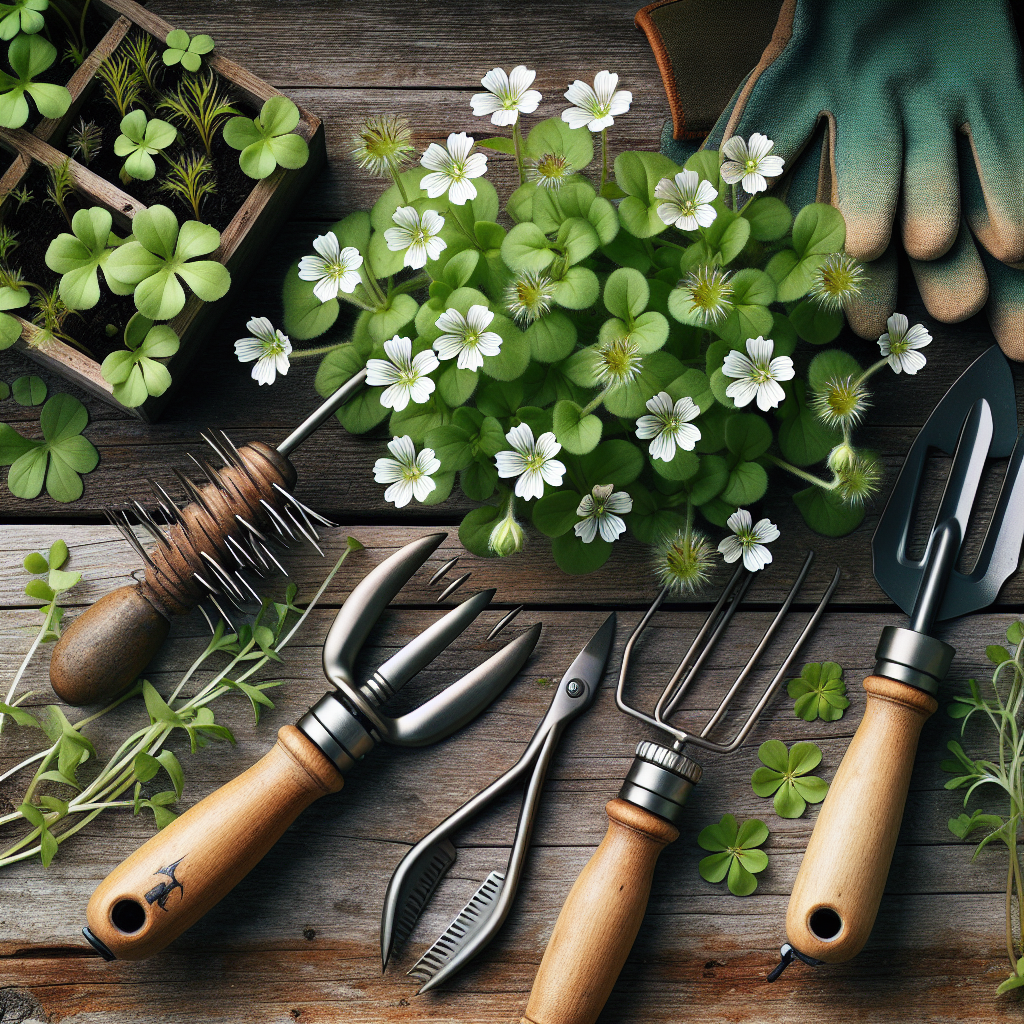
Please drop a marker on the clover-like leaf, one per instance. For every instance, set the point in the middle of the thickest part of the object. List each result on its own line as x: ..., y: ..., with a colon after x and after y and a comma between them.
x: 734, y: 853
x: 186, y: 50
x: 268, y: 139
x: 161, y: 253
x: 134, y: 370
x: 58, y: 459
x: 22, y: 16
x: 820, y: 692
x: 30, y: 56
x: 785, y: 774
x: 139, y: 140
x: 77, y: 257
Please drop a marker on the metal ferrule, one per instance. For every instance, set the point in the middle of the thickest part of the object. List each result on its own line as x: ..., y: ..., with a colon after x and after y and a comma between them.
x: 660, y: 780
x: 337, y: 732
x: 913, y: 658
x: 377, y: 689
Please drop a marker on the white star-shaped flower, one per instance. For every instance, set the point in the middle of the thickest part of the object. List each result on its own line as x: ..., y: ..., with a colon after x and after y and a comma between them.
x: 748, y: 540
x: 507, y: 95
x: 596, y: 108
x: 403, y: 377
x: 600, y: 511
x: 669, y: 425
x: 901, y: 342
x: 758, y: 375
x: 467, y: 337
x: 533, y: 462
x: 750, y: 162
x: 269, y: 347
x: 687, y: 201
x: 452, y: 168
x: 408, y: 473
x: 418, y: 236
x: 335, y: 270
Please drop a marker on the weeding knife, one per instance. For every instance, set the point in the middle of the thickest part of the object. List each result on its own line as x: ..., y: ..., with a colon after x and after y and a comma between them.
x: 839, y: 885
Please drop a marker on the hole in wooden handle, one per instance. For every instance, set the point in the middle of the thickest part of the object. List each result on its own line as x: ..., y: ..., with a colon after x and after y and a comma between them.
x: 128, y: 916
x: 825, y: 924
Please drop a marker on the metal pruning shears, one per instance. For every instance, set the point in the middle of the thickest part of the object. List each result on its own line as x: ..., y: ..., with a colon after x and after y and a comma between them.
x: 419, y: 873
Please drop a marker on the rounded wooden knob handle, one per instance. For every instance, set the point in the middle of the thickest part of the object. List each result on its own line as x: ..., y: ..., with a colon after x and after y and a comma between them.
x: 599, y: 921
x: 185, y: 869
x: 103, y: 651
x: 840, y: 882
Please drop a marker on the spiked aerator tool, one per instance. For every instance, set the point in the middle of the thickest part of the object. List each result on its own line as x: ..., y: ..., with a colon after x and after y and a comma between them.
x: 184, y: 870
x: 602, y: 914
x: 840, y: 882
x: 231, y: 525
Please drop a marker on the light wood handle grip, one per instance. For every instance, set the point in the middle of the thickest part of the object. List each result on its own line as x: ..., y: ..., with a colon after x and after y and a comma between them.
x: 185, y: 869
x: 840, y: 882
x: 599, y: 921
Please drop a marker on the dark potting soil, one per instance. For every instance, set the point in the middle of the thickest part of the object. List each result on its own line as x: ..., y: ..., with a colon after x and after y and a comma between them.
x: 233, y: 185
x: 37, y: 224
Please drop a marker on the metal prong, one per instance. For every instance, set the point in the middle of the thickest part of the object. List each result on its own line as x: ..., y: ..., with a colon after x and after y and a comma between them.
x: 194, y: 492
x: 239, y: 575
x: 203, y: 581
x: 283, y: 530
x: 304, y: 508
x: 242, y: 521
x: 231, y: 591
x: 147, y: 522
x: 124, y: 528
x: 447, y: 567
x: 452, y: 587
x: 217, y: 450
x: 505, y: 620
x: 209, y: 624
x: 207, y: 470
x: 243, y: 557
x: 264, y: 552
x: 223, y: 614
x: 305, y: 533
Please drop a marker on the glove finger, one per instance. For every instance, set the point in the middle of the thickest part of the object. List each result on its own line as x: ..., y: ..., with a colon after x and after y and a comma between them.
x: 930, y: 204
x: 867, y: 312
x: 954, y: 286
x: 865, y: 166
x: 801, y: 183
x: 993, y: 185
x: 1005, y: 308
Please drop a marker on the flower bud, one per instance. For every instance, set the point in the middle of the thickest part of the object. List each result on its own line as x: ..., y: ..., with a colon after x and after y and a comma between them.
x: 507, y: 537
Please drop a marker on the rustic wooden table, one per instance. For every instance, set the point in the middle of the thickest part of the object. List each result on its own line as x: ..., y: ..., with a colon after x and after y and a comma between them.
x: 298, y: 940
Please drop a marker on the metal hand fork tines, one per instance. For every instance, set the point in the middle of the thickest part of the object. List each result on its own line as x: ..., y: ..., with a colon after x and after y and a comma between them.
x: 700, y: 650
x: 423, y: 867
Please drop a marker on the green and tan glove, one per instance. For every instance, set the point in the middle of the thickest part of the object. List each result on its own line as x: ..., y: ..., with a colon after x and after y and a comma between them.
x: 920, y: 114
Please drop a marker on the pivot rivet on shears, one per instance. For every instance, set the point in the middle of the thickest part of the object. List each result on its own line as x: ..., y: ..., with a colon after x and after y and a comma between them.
x: 574, y: 688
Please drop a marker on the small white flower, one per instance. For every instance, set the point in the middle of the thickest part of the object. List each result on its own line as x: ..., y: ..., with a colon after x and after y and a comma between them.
x: 403, y: 377
x: 467, y: 337
x: 507, y: 95
x: 335, y: 270
x: 759, y: 375
x: 418, y: 236
x: 901, y: 342
x: 408, y: 473
x: 710, y: 293
x: 619, y: 362
x: 748, y: 540
x: 533, y: 462
x: 669, y: 425
x: 452, y: 168
x: 599, y: 510
x: 596, y: 108
x: 750, y: 162
x: 687, y: 201
x: 269, y: 347
x: 549, y: 170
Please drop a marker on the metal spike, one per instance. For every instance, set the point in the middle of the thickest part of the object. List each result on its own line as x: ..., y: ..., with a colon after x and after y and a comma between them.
x: 242, y: 521
x: 236, y: 457
x: 305, y: 533
x: 447, y: 567
x: 223, y: 614
x: 452, y: 587
x: 147, y: 522
x: 306, y: 510
x: 243, y: 557
x: 240, y: 577
x: 124, y: 528
x: 265, y: 552
x: 209, y: 624
x: 231, y: 591
x: 217, y: 450
x: 203, y: 581
x: 505, y: 621
x: 172, y: 506
x: 284, y: 531
x: 194, y: 492
x: 208, y: 471
x: 301, y: 509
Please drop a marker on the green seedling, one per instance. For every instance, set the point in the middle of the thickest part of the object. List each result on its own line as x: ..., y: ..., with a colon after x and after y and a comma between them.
x: 268, y: 140
x: 79, y: 256
x: 22, y: 16
x: 785, y: 774
x: 136, y: 371
x: 29, y: 56
x: 186, y: 50
x: 140, y: 140
x: 734, y: 853
x: 820, y: 693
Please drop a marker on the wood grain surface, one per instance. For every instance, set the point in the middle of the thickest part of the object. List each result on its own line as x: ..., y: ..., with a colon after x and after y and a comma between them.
x: 299, y: 939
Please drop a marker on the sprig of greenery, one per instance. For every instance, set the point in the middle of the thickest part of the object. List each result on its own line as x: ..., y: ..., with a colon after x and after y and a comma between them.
x: 60, y: 185
x: 1003, y: 777
x: 785, y: 774
x: 198, y: 103
x: 85, y: 140
x: 139, y: 50
x: 734, y: 853
x: 190, y: 177
x: 51, y: 314
x: 141, y: 756
x: 122, y: 83
x: 820, y: 692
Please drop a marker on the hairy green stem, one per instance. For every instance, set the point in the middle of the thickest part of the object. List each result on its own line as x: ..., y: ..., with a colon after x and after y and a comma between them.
x: 803, y: 474
x: 517, y: 142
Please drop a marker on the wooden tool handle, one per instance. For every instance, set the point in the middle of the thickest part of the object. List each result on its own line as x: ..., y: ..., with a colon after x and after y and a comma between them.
x: 599, y: 921
x: 840, y: 882
x: 185, y: 869
x: 103, y: 651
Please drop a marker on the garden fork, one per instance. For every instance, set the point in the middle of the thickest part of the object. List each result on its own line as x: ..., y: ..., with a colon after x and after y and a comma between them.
x: 178, y: 875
